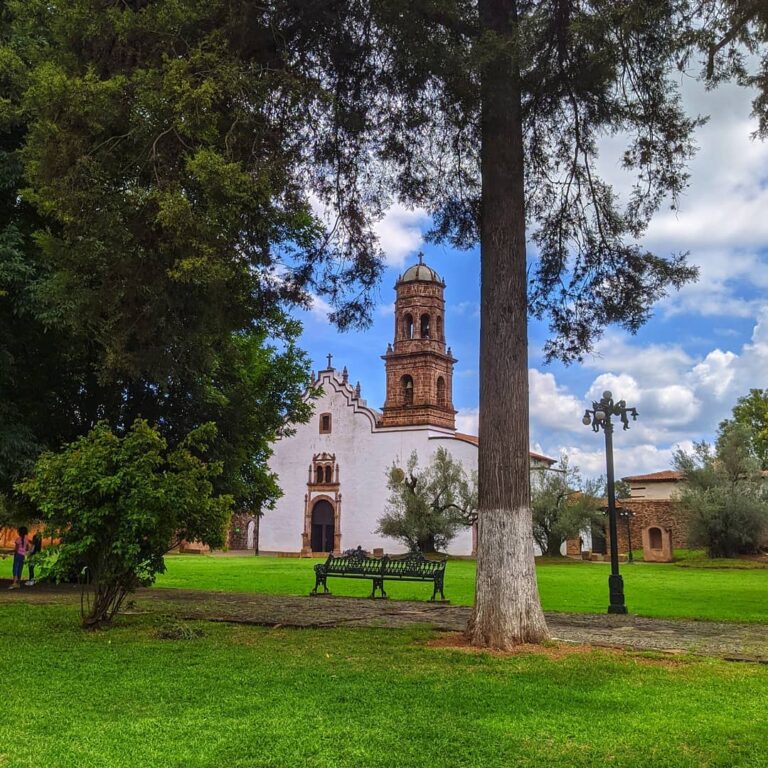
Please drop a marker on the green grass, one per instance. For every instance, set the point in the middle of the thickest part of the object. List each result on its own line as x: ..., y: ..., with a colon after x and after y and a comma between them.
x: 249, y: 697
x: 697, y: 558
x: 664, y: 591
x: 651, y: 590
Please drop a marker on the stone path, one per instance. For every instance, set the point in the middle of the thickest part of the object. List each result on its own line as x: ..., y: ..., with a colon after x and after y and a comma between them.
x: 743, y: 642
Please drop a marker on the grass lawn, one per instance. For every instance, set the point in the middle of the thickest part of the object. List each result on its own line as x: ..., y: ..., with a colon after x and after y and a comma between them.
x: 651, y: 590
x: 255, y: 697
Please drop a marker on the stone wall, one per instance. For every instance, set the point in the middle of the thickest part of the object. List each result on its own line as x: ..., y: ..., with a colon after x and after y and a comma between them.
x: 665, y: 514
x: 645, y: 513
x: 238, y: 531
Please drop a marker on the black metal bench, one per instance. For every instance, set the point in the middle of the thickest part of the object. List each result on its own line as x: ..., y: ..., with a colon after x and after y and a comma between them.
x: 359, y: 565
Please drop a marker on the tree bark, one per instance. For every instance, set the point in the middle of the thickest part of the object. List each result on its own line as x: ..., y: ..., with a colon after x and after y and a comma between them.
x: 507, y: 608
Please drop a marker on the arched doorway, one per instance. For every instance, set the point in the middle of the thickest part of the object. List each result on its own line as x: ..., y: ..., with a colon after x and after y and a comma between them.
x: 250, y: 534
x: 323, y: 527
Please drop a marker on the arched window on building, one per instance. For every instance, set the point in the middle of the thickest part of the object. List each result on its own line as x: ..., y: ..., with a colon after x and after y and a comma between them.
x: 319, y: 474
x: 408, y: 326
x: 440, y: 390
x: 328, y: 474
x: 439, y: 328
x: 425, y: 326
x: 406, y: 386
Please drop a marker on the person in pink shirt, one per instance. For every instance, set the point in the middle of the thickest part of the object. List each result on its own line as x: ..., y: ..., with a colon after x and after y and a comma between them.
x: 20, y: 547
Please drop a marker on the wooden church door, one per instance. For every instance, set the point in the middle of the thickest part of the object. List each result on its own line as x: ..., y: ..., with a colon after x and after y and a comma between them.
x: 323, y: 527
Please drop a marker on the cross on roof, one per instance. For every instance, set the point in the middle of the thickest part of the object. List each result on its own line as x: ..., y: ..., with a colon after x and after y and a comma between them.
x: 330, y: 357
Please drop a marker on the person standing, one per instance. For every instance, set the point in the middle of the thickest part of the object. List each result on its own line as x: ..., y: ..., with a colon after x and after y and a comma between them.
x: 19, y: 553
x: 33, y: 553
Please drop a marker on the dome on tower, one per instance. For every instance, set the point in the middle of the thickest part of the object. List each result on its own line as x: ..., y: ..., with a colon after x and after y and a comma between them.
x: 422, y: 273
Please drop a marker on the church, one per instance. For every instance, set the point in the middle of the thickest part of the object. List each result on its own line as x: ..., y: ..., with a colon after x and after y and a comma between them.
x: 333, y: 469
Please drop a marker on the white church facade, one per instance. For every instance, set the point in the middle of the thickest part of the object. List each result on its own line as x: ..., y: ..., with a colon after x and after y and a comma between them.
x: 333, y: 469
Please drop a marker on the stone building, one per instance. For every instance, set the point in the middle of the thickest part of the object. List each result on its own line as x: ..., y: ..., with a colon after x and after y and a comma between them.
x: 652, y: 503
x: 333, y: 470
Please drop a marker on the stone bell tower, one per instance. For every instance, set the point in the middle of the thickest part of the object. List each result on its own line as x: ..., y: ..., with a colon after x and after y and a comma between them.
x: 419, y: 367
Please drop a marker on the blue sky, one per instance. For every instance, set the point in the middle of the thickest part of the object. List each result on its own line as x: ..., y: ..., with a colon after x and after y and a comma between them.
x: 704, y: 346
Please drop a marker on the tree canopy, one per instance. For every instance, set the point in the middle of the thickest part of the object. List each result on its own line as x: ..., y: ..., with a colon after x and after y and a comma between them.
x: 428, y: 507
x: 725, y: 496
x: 751, y: 412
x: 144, y: 195
x: 563, y: 505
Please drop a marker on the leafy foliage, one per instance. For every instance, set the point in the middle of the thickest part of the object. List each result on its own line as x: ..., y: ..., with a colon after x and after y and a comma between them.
x: 751, y: 412
x: 732, y: 35
x: 427, y: 508
x: 137, y: 244
x: 563, y: 505
x: 726, y: 496
x: 119, y: 504
x: 406, y: 83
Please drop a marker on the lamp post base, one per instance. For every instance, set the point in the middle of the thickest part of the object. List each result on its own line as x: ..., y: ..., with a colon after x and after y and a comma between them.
x: 616, y: 590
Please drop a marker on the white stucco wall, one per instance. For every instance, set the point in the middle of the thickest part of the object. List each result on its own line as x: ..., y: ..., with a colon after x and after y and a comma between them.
x: 656, y: 490
x: 363, y: 454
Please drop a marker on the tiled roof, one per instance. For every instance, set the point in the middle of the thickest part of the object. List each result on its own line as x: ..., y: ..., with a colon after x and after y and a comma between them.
x: 474, y: 440
x: 655, y: 477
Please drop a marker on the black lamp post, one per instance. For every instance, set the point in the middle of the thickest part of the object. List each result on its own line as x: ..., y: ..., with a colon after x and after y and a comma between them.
x: 626, y: 515
x: 600, y: 416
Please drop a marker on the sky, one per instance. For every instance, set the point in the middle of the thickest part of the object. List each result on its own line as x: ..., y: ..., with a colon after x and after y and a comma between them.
x: 703, y: 348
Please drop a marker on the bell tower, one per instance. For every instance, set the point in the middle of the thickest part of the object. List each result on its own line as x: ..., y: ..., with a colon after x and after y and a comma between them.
x: 419, y: 367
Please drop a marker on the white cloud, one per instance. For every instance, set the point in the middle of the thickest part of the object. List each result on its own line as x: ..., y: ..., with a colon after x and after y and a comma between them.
x: 633, y: 460
x: 656, y: 363
x: 400, y: 233
x: 319, y: 307
x: 551, y: 405
x: 399, y: 230
x: 720, y: 219
x: 679, y: 398
x: 715, y: 373
x: 468, y: 420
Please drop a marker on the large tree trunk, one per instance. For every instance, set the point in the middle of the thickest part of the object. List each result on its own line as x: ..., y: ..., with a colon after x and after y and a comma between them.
x: 507, y: 607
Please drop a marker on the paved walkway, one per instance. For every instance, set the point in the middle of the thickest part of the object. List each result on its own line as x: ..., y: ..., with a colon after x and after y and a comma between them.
x: 743, y: 642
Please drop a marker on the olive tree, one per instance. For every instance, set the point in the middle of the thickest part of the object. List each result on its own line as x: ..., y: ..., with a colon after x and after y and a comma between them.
x: 563, y: 505
x: 428, y: 507
x: 725, y: 495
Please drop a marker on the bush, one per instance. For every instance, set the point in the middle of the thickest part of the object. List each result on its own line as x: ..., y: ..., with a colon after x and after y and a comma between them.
x: 725, y: 497
x: 726, y: 521
x: 119, y: 504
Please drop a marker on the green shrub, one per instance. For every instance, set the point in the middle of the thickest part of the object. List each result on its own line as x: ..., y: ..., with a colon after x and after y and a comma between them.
x: 118, y: 504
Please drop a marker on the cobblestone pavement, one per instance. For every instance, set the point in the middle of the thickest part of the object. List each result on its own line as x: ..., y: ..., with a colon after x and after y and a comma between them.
x: 748, y: 642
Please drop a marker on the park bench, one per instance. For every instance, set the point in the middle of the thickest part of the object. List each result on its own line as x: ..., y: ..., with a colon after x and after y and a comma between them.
x: 359, y: 565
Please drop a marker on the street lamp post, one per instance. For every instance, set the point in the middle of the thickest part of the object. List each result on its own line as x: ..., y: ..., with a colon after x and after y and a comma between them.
x: 599, y: 416
x: 626, y: 515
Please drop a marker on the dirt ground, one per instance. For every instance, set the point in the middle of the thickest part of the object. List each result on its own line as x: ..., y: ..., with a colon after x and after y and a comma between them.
x: 730, y: 640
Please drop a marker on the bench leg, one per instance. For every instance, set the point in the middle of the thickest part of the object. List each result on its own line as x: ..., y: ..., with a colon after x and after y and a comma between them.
x: 438, y: 588
x: 378, y: 583
x: 320, y: 581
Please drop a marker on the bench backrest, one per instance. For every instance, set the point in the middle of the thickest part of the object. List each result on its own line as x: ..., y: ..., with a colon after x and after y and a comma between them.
x: 412, y: 564
x: 353, y: 563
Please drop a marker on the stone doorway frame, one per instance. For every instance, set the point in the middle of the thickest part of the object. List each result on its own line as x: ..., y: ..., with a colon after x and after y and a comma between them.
x: 310, y: 500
